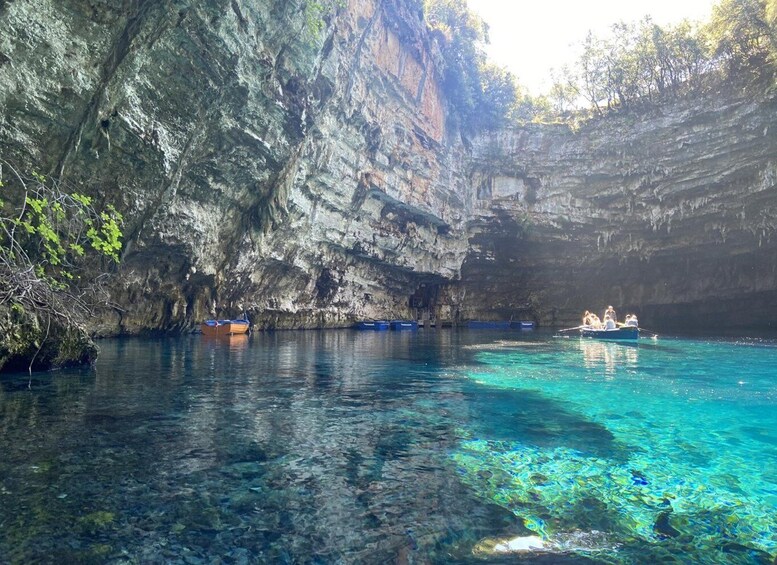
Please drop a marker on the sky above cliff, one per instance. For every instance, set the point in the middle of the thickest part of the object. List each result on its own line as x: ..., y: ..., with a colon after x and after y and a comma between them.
x: 530, y: 37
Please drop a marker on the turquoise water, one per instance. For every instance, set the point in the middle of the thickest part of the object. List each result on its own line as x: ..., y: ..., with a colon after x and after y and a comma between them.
x: 423, y: 447
x: 678, y: 446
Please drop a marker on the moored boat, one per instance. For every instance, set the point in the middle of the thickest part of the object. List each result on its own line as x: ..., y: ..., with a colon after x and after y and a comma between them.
x: 224, y: 327
x: 522, y: 325
x: 617, y: 333
x: 404, y: 325
x: 375, y: 325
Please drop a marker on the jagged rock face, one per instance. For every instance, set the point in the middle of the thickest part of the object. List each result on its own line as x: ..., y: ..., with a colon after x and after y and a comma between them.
x: 670, y: 214
x: 312, y: 178
x: 305, y: 177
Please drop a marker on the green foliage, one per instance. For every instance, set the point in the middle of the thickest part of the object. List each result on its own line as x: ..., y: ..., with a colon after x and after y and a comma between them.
x: 53, y: 232
x: 482, y: 94
x: 740, y: 34
x: 498, y: 95
x: 563, y: 92
x: 105, y: 235
x: 48, y: 238
x: 316, y: 12
x: 641, y: 63
x: 537, y: 109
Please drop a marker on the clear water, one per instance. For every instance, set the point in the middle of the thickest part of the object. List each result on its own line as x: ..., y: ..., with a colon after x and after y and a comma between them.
x: 427, y: 447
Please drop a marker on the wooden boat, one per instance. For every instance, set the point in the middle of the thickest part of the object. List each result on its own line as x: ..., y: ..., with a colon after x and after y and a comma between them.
x: 618, y: 333
x: 375, y: 325
x: 404, y: 325
x: 224, y: 327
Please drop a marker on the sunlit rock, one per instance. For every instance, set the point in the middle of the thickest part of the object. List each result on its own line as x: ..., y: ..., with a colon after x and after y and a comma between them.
x: 521, y: 543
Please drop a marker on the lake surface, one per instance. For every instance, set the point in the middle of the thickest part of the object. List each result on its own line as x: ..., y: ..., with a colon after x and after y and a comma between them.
x: 392, y: 447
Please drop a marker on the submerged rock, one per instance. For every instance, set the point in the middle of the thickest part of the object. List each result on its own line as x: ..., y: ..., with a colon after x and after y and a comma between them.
x: 662, y: 528
x: 519, y: 544
x: 561, y: 543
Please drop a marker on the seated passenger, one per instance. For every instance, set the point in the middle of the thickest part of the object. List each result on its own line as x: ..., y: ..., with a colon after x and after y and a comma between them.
x: 609, y: 323
x: 587, y: 318
x: 632, y: 321
x: 596, y: 323
x: 611, y: 313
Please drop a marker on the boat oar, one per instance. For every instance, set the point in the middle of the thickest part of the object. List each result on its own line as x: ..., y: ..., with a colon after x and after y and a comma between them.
x: 570, y: 329
x: 654, y: 334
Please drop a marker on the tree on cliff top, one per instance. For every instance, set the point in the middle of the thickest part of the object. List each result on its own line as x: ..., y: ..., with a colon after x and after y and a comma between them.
x: 482, y: 94
x: 50, y: 241
x: 741, y: 34
x: 638, y: 64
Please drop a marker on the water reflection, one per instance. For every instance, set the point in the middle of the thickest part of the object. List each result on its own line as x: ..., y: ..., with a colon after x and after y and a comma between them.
x: 286, y: 447
x: 232, y: 342
x: 608, y: 356
x: 375, y: 447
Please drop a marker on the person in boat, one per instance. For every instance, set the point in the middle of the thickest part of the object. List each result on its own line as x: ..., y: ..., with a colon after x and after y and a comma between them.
x: 587, y: 320
x: 609, y: 323
x: 631, y: 321
x: 596, y: 323
x: 611, y: 313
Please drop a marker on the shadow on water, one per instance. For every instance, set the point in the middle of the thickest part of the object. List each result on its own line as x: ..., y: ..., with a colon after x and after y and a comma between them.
x: 529, y: 418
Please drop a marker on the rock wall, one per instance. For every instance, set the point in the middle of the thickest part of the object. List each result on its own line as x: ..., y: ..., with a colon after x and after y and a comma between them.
x: 304, y: 176
x: 311, y: 177
x: 671, y: 214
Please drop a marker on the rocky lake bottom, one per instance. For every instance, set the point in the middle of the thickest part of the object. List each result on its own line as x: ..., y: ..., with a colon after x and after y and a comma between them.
x: 436, y: 446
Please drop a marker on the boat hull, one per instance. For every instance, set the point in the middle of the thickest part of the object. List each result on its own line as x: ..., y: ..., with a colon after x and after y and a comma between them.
x: 399, y: 325
x: 618, y: 334
x: 378, y: 325
x: 224, y: 327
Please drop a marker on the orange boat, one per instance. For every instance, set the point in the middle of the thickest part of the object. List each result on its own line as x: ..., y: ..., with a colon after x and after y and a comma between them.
x: 224, y: 327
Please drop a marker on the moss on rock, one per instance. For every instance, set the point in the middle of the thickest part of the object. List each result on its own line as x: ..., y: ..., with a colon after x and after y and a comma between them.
x: 27, y: 340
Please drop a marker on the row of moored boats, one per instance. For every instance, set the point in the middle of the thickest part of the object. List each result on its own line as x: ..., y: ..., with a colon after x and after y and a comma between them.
x: 236, y: 327
x: 592, y: 326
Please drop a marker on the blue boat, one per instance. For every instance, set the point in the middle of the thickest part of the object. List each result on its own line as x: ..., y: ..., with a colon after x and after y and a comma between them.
x: 619, y: 333
x: 375, y: 325
x: 488, y: 325
x: 404, y: 325
x: 522, y: 325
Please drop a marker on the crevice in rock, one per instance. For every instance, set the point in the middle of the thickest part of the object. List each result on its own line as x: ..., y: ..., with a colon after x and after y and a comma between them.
x: 358, y: 51
x: 242, y: 22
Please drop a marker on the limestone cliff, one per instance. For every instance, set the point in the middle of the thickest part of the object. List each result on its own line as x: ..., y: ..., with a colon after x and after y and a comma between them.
x: 670, y: 213
x: 306, y: 177
x: 313, y: 178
